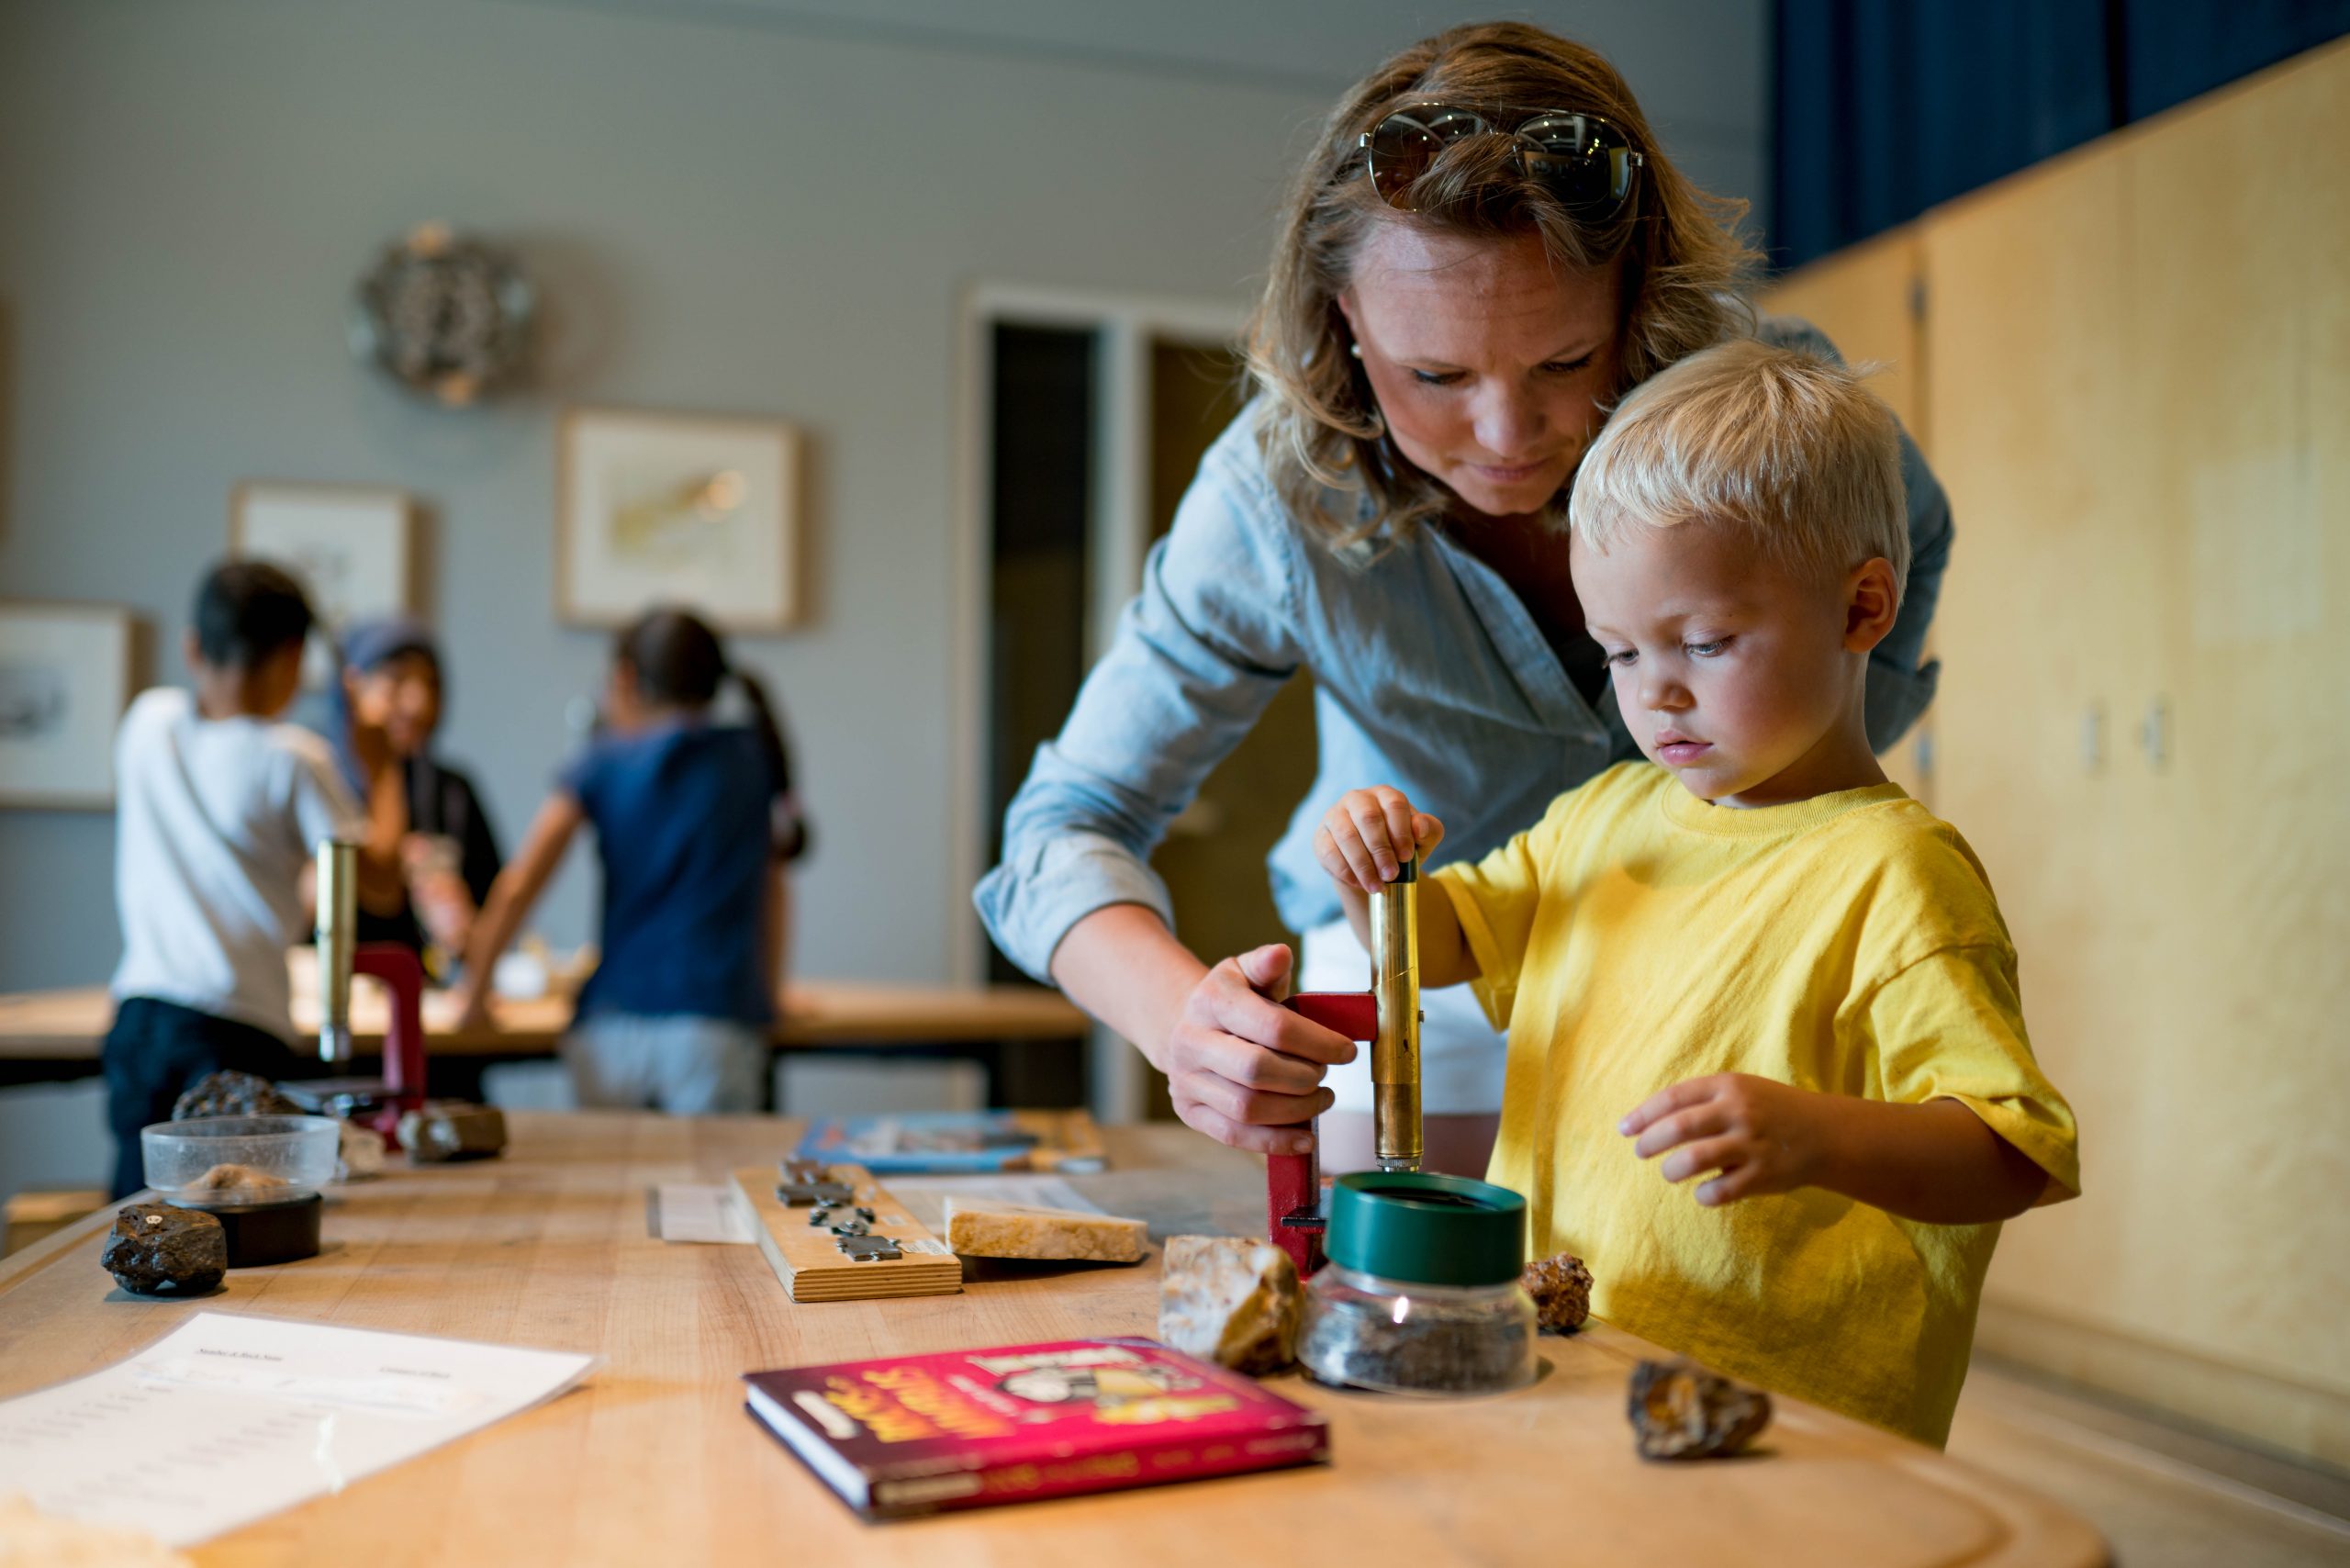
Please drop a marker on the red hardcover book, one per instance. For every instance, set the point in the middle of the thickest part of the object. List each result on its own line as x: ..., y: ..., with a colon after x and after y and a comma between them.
x: 909, y: 1435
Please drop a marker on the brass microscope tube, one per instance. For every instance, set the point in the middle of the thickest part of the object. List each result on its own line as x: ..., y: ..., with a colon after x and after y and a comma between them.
x: 337, y: 933
x: 1396, y: 1051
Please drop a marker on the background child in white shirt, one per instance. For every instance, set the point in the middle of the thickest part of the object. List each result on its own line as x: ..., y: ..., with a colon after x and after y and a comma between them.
x: 218, y: 808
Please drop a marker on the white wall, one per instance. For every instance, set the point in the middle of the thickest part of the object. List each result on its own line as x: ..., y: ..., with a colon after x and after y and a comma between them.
x: 762, y: 206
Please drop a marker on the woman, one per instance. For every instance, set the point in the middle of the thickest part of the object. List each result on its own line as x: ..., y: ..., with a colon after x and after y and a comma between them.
x: 1485, y: 250
x: 391, y: 682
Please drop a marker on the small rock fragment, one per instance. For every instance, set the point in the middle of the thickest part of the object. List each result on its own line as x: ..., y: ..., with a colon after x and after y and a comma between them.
x: 156, y: 1249
x: 226, y: 1178
x: 983, y: 1227
x: 361, y: 1154
x: 1680, y: 1410
x: 232, y: 1093
x: 1560, y: 1287
x: 452, y: 1129
x: 1232, y: 1300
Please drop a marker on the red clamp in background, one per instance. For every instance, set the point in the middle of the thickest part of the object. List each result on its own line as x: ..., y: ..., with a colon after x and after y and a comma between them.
x: 402, y: 976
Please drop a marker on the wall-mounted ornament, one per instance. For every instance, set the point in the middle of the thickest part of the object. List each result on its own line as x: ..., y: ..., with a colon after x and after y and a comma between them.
x: 444, y: 315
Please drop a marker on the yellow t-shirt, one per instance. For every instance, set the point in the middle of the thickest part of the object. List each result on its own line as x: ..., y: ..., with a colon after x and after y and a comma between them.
x: 1638, y: 936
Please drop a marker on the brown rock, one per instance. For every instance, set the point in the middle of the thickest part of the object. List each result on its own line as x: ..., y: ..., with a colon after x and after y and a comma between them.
x: 1560, y: 1287
x: 1231, y: 1300
x: 452, y: 1129
x: 1680, y: 1410
x: 984, y: 1228
x: 156, y: 1249
x: 232, y: 1093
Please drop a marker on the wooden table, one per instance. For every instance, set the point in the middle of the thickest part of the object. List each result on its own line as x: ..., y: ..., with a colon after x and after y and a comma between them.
x: 655, y: 1461
x: 67, y: 1025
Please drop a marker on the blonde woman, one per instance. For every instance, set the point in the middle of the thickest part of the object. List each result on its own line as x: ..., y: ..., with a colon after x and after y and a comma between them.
x: 1484, y: 251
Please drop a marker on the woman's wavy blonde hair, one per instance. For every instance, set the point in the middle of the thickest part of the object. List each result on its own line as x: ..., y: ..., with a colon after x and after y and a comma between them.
x: 1683, y: 269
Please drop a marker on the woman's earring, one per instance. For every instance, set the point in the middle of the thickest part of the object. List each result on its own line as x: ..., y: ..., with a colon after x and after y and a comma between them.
x: 1356, y: 350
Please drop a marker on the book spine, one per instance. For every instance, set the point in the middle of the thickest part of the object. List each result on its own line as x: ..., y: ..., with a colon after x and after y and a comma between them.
x: 1178, y: 1457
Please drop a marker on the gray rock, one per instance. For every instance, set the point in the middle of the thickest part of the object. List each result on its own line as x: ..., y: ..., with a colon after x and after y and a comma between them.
x: 232, y: 1093
x: 1231, y: 1300
x: 156, y: 1249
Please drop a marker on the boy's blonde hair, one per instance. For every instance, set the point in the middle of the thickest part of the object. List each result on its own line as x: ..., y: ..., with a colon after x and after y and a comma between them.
x: 1785, y: 448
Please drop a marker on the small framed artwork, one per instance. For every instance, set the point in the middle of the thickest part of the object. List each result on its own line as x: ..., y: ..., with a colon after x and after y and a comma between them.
x: 669, y: 508
x: 64, y: 680
x: 351, y: 546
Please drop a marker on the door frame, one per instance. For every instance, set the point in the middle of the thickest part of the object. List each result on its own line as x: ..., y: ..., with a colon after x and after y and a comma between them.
x: 1118, y: 538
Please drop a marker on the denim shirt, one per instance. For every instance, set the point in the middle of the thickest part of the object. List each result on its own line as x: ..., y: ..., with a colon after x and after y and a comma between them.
x: 1430, y: 674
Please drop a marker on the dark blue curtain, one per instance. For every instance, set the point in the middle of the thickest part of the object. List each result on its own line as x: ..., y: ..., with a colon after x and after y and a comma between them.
x: 1885, y: 108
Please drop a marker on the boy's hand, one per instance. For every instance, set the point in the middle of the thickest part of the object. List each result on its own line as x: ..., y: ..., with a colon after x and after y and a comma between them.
x: 371, y: 747
x: 472, y: 1008
x: 1761, y: 1134
x: 1366, y: 836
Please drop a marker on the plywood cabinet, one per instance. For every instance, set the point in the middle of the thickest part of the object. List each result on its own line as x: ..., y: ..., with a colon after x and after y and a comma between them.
x: 2139, y: 375
x: 1868, y: 300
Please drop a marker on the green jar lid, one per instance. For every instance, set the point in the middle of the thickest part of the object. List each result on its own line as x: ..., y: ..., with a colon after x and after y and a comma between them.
x: 1430, y: 1230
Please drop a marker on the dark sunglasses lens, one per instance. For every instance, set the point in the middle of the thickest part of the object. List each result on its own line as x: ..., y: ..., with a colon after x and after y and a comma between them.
x: 1586, y: 160
x: 1403, y: 145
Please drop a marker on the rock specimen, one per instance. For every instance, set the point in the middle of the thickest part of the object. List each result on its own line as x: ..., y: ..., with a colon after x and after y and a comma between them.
x: 1560, y: 1287
x: 230, y: 1094
x: 361, y: 1154
x: 982, y: 1228
x: 452, y: 1129
x: 1231, y: 1300
x: 234, y: 1177
x: 1680, y: 1410
x: 156, y: 1249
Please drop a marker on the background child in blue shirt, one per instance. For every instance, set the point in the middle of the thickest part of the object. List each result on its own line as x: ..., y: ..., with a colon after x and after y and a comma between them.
x: 694, y: 821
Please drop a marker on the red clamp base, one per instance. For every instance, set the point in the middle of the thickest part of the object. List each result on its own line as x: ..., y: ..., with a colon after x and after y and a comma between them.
x: 403, y: 976
x: 1293, y: 1181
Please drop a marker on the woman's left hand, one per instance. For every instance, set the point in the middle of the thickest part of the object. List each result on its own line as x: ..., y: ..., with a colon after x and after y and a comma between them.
x: 1760, y: 1134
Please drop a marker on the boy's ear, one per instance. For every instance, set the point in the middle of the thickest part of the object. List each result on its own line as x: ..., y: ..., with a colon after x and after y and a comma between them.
x: 191, y: 652
x: 1870, y: 602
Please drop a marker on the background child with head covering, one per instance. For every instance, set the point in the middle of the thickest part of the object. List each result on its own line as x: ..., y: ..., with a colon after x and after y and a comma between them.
x: 392, y: 681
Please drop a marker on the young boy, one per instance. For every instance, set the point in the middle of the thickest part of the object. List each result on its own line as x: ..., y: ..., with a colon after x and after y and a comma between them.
x: 1759, y: 960
x: 218, y: 811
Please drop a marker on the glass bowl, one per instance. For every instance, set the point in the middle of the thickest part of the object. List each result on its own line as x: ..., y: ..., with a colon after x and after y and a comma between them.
x: 268, y: 1159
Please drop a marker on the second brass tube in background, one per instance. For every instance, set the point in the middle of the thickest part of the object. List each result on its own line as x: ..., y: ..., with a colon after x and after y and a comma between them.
x: 1396, y: 1051
x: 336, y: 929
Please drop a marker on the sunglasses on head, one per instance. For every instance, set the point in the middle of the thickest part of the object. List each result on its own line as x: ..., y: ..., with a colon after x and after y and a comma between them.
x: 1587, y: 162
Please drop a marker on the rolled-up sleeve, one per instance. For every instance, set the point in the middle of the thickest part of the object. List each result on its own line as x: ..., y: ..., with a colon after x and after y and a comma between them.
x: 1901, y: 681
x: 1196, y: 657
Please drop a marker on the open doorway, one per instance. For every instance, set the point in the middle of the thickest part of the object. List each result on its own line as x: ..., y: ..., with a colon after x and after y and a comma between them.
x: 1088, y: 419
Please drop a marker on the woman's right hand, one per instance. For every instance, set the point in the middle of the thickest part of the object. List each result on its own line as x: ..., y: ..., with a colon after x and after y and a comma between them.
x: 1245, y: 1069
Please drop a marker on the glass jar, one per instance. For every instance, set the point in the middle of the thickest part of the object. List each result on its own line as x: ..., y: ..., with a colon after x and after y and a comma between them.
x: 1421, y: 1293
x: 1404, y: 1336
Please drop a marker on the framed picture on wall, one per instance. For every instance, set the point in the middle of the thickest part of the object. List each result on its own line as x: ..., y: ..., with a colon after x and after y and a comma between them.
x: 678, y: 510
x: 64, y: 680
x: 351, y: 545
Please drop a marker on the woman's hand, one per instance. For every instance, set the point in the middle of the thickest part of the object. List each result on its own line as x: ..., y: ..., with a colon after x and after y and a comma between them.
x: 1761, y: 1136
x: 1366, y: 836
x: 1243, y: 1069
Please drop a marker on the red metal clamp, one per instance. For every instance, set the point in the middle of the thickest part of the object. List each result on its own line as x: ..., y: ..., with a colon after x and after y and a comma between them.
x: 1293, y: 1181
